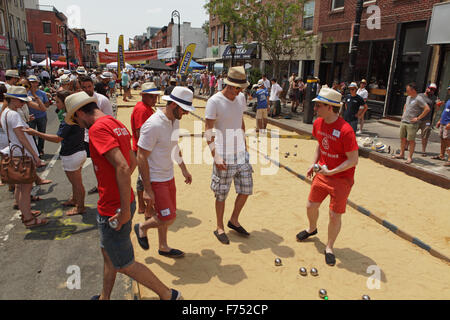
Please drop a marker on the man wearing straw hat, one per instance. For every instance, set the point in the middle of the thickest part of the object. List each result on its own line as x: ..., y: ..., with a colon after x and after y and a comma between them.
x: 141, y: 112
x: 114, y: 162
x: 337, y: 156
x: 224, y: 112
x: 158, y: 149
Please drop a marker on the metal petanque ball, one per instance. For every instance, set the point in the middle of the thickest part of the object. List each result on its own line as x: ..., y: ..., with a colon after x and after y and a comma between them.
x: 365, y: 297
x: 314, y: 272
x: 278, y: 262
x: 303, y: 272
x: 323, y: 293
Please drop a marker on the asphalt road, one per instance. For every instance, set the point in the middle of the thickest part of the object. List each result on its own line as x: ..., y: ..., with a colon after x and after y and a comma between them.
x: 59, y: 261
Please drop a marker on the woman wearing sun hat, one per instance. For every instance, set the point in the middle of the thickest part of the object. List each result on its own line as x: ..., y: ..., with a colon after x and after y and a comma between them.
x: 337, y: 156
x: 13, y: 124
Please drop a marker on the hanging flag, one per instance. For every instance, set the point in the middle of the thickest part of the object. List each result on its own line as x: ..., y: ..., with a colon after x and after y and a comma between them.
x: 188, y: 54
x: 120, y: 57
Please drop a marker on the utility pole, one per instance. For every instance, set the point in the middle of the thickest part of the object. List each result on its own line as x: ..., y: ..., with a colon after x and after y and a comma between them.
x: 67, y: 47
x: 355, y: 41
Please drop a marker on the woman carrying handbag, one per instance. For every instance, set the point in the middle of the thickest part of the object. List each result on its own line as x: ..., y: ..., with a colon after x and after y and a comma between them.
x: 20, y: 145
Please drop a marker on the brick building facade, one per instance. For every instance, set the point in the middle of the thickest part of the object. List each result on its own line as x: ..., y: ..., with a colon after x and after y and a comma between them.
x: 46, y: 30
x: 389, y: 55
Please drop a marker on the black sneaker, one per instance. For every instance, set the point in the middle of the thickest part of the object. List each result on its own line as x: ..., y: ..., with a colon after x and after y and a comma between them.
x: 305, y: 235
x: 176, y: 295
x: 93, y: 190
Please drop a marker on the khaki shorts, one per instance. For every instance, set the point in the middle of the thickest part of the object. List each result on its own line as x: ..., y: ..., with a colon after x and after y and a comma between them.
x: 444, y: 133
x: 425, y: 129
x: 261, y: 114
x: 408, y: 131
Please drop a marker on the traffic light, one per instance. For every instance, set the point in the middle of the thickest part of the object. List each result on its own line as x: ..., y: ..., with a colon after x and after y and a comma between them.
x: 107, y: 40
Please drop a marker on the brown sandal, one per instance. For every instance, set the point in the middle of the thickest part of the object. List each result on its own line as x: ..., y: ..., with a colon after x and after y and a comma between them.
x: 75, y: 211
x: 35, y: 223
x: 34, y: 213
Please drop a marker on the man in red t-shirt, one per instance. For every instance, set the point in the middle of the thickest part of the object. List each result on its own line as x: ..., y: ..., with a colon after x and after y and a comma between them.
x: 141, y: 112
x: 114, y: 162
x: 337, y: 156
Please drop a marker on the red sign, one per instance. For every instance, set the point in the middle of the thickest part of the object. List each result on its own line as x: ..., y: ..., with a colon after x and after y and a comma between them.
x: 108, y: 57
x: 4, y: 43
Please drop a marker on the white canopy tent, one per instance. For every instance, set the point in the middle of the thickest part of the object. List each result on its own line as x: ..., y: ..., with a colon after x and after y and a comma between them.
x: 113, y: 65
x: 45, y: 62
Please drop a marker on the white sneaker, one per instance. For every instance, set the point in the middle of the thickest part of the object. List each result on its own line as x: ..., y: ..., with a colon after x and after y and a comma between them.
x: 358, y: 132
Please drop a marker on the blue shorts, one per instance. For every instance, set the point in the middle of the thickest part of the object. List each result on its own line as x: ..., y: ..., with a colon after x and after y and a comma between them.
x: 117, y: 244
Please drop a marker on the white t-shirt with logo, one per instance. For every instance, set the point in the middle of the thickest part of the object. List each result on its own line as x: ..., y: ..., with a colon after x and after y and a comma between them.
x: 15, y: 121
x: 363, y: 93
x: 230, y: 138
x: 159, y: 135
x: 275, y: 92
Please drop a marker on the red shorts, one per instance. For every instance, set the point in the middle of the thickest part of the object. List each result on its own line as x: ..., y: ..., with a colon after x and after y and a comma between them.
x: 338, y: 188
x: 165, y: 199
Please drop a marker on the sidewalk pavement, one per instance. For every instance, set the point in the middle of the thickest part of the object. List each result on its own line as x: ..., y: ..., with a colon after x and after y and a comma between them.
x: 386, y: 131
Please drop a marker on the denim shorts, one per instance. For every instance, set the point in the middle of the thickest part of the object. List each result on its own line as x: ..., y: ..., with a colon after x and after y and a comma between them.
x: 117, y: 244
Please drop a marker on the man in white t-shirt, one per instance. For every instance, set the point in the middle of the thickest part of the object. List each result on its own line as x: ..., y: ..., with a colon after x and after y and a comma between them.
x: 266, y: 82
x: 157, y: 150
x: 224, y: 112
x: 363, y: 93
x: 274, y: 99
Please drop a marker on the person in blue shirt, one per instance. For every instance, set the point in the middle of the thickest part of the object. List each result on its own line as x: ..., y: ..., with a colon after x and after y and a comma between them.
x: 126, y: 85
x: 444, y: 125
x: 262, y: 95
x: 40, y: 117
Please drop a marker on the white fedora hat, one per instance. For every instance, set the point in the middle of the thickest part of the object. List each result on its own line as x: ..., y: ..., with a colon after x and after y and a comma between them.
x: 64, y: 79
x: 237, y: 78
x: 106, y: 75
x: 329, y: 96
x: 150, y: 88
x: 74, y: 102
x: 181, y: 96
x: 33, y: 78
x: 16, y: 92
x: 81, y: 70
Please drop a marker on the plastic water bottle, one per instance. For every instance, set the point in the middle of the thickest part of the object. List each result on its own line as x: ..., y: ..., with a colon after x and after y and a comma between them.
x: 115, y: 223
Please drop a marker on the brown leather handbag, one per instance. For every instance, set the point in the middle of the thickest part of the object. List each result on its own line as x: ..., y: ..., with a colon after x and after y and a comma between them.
x: 16, y: 169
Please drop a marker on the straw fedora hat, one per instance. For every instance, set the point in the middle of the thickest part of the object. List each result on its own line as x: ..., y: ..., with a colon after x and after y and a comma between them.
x: 237, y: 78
x: 12, y: 73
x: 329, y: 96
x: 183, y: 97
x: 33, y: 78
x: 74, y: 102
x: 16, y: 92
x: 150, y: 88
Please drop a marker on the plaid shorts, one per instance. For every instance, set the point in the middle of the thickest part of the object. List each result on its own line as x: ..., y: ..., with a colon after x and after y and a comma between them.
x: 242, y: 174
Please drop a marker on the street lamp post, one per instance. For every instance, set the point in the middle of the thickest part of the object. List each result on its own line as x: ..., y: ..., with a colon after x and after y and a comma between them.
x: 233, y: 52
x: 355, y: 41
x: 176, y: 14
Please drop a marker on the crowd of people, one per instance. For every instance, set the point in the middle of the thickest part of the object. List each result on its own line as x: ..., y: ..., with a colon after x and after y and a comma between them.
x: 89, y: 129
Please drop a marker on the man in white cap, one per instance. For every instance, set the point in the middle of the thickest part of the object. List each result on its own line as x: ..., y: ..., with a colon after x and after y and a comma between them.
x: 363, y: 93
x: 224, y: 112
x: 102, y: 86
x: 157, y: 150
x: 114, y: 163
x: 141, y: 112
x: 262, y: 97
x: 337, y: 156
x: 426, y: 124
x: 355, y: 106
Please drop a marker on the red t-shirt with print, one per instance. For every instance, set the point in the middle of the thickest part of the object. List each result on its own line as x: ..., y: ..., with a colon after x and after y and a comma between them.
x: 140, y: 114
x: 335, y: 139
x: 106, y: 134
